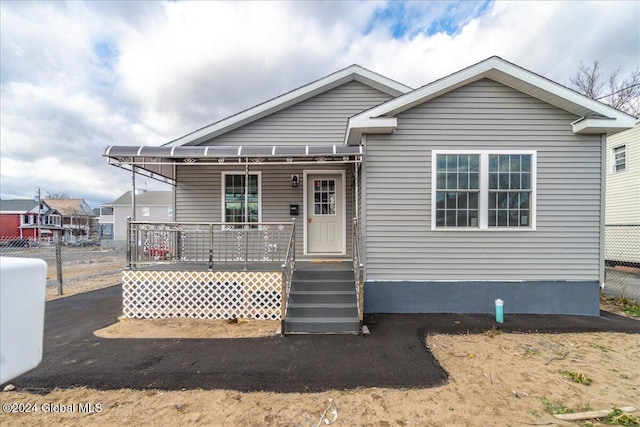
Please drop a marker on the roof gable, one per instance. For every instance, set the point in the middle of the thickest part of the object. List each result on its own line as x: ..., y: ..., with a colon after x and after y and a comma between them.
x: 17, y: 206
x: 595, y: 116
x: 70, y: 207
x: 25, y: 206
x: 351, y: 73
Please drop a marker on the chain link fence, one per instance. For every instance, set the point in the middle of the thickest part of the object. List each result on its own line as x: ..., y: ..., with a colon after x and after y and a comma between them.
x: 622, y: 261
x: 73, y: 268
x: 87, y: 266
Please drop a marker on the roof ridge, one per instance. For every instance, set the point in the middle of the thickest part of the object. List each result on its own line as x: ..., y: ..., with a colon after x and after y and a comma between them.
x: 495, y: 68
x: 329, y: 81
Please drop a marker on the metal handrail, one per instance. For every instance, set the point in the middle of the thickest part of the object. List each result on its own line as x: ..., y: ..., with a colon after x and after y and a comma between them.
x: 288, y: 267
x: 358, y: 269
x: 161, y: 242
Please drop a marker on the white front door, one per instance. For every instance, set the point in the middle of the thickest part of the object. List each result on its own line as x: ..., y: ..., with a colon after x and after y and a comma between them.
x: 325, y: 213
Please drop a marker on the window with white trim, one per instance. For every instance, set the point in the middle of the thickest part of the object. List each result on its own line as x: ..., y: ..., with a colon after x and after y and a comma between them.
x: 458, y: 188
x: 241, y: 203
x: 482, y: 190
x: 509, y: 190
x: 619, y: 159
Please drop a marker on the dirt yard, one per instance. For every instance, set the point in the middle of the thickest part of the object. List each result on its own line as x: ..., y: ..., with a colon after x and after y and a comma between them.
x: 78, y: 278
x: 496, y: 379
x: 189, y: 328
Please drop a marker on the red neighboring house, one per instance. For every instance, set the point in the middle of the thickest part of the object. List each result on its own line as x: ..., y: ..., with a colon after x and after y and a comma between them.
x: 19, y: 218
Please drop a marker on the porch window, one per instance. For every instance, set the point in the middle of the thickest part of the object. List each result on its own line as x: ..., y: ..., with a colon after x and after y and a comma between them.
x: 241, y: 202
x: 483, y: 190
x: 619, y: 157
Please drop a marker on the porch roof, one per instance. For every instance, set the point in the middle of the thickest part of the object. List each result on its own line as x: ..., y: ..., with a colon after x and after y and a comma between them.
x: 158, y: 162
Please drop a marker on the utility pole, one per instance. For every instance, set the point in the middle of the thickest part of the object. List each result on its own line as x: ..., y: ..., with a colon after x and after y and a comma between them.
x: 39, y: 215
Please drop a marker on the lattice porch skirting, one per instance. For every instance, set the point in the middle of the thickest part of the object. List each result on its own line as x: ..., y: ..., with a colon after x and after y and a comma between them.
x: 202, y: 294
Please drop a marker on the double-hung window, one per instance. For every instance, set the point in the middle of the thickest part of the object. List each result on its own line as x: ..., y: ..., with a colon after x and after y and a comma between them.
x: 241, y: 197
x: 458, y: 188
x: 509, y: 190
x: 483, y: 190
x: 619, y: 159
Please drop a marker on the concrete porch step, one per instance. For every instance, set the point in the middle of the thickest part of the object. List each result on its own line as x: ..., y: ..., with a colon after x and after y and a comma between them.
x: 322, y: 325
x: 322, y: 300
x: 322, y: 297
x: 328, y: 310
x: 323, y: 274
x: 322, y: 285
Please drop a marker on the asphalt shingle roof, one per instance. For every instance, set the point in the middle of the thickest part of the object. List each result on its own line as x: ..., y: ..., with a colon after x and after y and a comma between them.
x: 18, y: 205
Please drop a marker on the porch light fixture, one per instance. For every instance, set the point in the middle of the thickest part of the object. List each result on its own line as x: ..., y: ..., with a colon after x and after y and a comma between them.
x: 295, y: 179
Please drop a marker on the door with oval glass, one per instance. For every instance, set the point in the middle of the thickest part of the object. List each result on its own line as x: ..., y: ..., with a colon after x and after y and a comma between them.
x: 325, y: 207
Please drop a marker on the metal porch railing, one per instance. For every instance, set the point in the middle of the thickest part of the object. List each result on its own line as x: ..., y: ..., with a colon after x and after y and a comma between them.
x: 152, y: 243
x: 288, y: 267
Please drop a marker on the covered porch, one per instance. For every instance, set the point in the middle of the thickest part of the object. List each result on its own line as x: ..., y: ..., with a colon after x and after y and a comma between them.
x: 220, y: 259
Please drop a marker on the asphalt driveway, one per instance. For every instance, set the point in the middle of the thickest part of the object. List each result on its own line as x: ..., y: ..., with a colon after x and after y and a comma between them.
x: 393, y: 355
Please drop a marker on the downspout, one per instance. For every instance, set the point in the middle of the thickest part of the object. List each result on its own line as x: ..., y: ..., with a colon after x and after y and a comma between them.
x: 603, y: 202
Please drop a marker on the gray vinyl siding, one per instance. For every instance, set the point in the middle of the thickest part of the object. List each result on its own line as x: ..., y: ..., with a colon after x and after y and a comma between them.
x: 317, y: 121
x: 199, y: 197
x: 483, y: 115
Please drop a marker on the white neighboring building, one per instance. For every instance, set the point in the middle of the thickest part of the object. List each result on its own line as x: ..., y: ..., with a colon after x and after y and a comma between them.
x: 150, y: 206
x: 622, y: 237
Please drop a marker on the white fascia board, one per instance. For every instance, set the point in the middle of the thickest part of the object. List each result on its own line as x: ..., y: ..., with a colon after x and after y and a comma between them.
x: 380, y: 82
x: 556, y: 89
x: 429, y: 91
x: 496, y: 69
x: 369, y: 125
x: 594, y: 125
x: 353, y: 72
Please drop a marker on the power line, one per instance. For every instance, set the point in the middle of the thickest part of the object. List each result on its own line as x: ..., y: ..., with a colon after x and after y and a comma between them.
x: 618, y: 91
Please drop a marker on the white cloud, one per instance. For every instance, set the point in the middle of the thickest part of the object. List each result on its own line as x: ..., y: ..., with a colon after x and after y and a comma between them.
x: 77, y: 77
x: 204, y: 60
x: 550, y: 38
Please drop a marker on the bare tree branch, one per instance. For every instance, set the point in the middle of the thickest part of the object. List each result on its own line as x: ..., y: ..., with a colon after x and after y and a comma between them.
x: 622, y: 94
x: 587, y: 80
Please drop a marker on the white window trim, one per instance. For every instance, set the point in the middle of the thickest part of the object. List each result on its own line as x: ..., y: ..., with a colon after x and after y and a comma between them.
x: 483, y: 202
x: 612, y: 159
x: 223, y: 192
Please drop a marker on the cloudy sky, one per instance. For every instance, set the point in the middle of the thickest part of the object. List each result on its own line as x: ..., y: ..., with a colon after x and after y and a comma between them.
x: 77, y: 77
